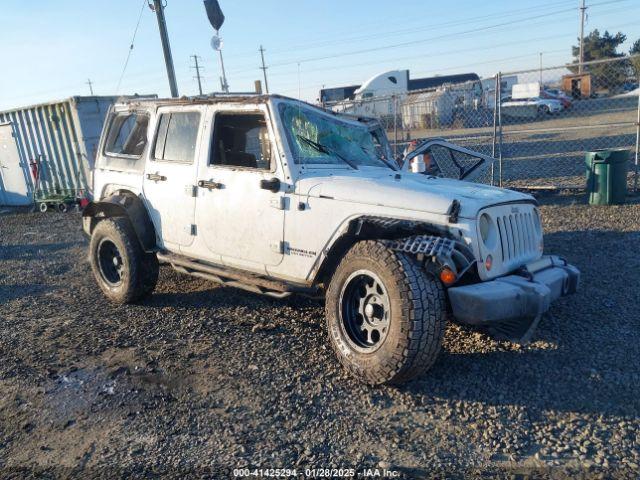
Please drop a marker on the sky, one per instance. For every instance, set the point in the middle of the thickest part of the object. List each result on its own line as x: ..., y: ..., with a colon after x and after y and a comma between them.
x: 50, y: 49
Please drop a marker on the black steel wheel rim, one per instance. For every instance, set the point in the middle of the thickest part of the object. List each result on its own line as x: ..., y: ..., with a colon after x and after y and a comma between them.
x: 365, y: 311
x: 110, y: 262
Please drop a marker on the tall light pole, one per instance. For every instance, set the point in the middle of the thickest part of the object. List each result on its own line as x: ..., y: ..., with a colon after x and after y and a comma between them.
x: 216, y: 18
x: 216, y: 44
x: 166, y: 47
x: 583, y: 10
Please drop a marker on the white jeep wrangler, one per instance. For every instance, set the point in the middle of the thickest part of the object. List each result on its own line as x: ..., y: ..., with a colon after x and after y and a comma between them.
x: 279, y: 197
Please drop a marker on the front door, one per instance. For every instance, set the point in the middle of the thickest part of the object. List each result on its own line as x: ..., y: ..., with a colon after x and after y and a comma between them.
x: 240, y: 209
x: 170, y: 176
x: 14, y: 190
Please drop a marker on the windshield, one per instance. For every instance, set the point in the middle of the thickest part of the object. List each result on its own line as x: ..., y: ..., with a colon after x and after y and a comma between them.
x: 315, y: 138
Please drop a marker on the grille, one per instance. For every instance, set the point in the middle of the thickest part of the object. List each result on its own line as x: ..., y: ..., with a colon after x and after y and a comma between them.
x: 517, y: 236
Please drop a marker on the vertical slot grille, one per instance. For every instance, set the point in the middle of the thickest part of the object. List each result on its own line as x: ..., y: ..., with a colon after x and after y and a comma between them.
x: 517, y: 236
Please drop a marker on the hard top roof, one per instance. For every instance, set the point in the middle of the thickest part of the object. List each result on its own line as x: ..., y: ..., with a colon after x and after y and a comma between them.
x: 237, y: 98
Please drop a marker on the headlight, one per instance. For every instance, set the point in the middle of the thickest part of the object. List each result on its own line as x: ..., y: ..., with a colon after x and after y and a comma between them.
x: 488, y: 231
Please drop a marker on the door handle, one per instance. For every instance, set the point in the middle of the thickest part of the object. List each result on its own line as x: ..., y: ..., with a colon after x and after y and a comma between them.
x: 209, y: 184
x: 273, y: 185
x: 156, y: 178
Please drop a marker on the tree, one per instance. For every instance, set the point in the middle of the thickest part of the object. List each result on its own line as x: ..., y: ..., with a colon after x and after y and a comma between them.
x: 635, y: 50
x: 600, y: 47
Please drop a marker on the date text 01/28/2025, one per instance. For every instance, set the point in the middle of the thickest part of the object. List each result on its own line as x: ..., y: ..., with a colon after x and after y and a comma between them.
x: 316, y: 472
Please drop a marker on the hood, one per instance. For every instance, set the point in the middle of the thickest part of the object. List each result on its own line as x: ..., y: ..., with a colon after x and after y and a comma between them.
x: 375, y: 186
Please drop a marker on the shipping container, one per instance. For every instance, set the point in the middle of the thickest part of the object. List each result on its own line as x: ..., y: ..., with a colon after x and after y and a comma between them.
x: 50, y: 148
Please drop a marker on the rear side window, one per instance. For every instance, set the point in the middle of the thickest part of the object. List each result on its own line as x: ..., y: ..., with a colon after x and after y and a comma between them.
x: 127, y: 135
x: 177, y: 137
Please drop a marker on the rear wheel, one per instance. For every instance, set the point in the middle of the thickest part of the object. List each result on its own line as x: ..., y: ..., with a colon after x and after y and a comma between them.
x: 123, y: 271
x: 385, y: 316
x: 543, y: 110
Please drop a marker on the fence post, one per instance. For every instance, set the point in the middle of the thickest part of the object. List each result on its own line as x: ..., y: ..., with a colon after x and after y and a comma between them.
x: 499, y: 129
x: 497, y: 95
x: 635, y: 175
x: 395, y: 126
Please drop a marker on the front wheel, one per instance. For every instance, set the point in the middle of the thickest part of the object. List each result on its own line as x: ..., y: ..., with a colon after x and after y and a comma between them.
x: 123, y: 271
x: 385, y: 316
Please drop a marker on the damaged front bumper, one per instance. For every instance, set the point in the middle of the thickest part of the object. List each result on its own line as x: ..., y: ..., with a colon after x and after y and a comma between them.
x: 512, y: 306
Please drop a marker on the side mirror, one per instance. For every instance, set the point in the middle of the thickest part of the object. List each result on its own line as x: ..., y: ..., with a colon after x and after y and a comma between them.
x: 273, y: 185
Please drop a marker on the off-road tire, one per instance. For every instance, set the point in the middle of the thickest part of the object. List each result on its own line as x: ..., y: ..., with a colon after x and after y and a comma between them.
x: 417, y: 316
x: 140, y: 270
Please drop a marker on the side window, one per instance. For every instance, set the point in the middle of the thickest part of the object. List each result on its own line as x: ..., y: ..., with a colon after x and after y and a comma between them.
x: 127, y: 134
x: 177, y: 137
x: 241, y: 140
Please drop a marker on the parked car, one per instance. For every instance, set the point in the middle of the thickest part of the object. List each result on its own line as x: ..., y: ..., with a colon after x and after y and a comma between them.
x: 559, y: 95
x: 278, y: 197
x: 531, y: 107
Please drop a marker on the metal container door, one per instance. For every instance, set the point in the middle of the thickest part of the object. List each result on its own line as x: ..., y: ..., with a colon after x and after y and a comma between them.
x: 14, y: 190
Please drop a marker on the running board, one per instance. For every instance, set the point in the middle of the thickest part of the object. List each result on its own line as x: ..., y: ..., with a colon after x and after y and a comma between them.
x: 235, y: 278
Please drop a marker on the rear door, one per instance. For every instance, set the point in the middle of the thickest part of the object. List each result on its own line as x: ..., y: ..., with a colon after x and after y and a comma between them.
x: 241, y: 204
x: 14, y: 190
x: 170, y: 175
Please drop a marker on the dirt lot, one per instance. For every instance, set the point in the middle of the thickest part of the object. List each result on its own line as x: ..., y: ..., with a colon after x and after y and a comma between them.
x: 199, y: 380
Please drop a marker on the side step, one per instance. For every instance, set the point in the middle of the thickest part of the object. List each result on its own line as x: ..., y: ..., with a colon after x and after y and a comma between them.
x: 232, y: 277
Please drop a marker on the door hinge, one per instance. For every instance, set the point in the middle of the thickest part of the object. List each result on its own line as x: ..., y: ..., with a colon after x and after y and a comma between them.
x: 278, y: 203
x: 191, y: 190
x: 191, y: 230
x: 277, y: 247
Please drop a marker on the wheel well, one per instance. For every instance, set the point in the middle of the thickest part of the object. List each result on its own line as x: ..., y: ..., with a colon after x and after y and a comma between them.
x: 123, y: 203
x: 370, y: 228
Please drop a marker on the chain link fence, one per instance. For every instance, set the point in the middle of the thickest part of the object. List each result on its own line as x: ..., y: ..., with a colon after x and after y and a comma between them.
x: 537, y: 123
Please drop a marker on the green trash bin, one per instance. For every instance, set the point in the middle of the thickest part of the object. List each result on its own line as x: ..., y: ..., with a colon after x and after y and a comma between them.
x: 607, y: 176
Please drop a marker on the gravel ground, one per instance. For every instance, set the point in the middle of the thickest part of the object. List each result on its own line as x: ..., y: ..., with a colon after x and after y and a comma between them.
x: 199, y: 380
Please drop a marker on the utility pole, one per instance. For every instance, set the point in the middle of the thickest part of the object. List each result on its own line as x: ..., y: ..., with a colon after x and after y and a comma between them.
x: 540, y: 68
x: 90, y: 83
x: 583, y: 10
x: 166, y: 47
x: 197, y: 68
x: 223, y: 79
x: 264, y: 70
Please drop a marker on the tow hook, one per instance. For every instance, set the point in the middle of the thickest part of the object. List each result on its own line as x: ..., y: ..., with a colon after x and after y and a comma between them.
x: 524, y: 272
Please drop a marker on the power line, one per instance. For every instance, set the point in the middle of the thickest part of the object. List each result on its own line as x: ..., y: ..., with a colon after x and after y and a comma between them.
x: 433, y: 39
x: 408, y: 30
x: 424, y: 40
x: 133, y: 40
x: 90, y: 83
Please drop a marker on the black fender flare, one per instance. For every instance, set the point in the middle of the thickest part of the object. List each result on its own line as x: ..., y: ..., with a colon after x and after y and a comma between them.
x: 122, y: 204
x: 367, y: 227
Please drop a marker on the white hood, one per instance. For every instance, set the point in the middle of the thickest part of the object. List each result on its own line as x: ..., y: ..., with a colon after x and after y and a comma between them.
x: 375, y: 186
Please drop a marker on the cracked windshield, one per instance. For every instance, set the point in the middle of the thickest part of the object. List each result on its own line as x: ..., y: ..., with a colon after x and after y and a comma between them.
x: 315, y: 138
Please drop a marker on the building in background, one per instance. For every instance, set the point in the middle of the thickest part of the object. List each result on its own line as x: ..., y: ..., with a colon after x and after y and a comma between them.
x: 397, y: 81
